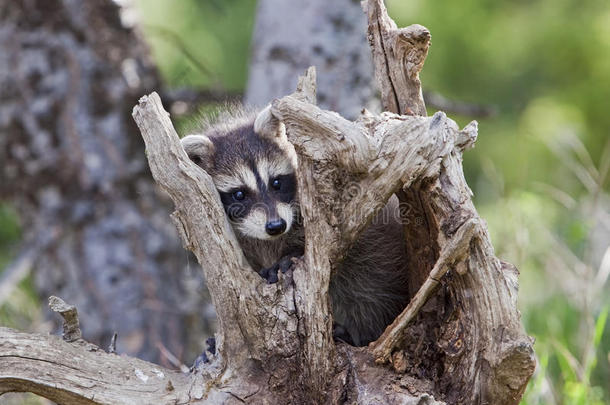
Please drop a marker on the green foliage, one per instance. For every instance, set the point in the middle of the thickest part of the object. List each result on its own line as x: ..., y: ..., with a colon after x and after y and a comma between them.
x: 9, y: 230
x: 200, y: 43
x: 553, y: 236
x: 543, y: 63
x: 577, y: 388
x: 23, y: 308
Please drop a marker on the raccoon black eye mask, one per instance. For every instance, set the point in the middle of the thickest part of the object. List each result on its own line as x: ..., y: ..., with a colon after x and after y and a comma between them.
x: 253, y: 167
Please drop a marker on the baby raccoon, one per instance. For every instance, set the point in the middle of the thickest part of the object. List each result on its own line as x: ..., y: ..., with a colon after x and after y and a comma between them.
x: 253, y: 168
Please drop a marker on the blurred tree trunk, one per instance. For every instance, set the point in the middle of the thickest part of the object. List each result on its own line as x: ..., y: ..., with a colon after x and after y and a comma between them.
x: 330, y: 35
x: 73, y: 165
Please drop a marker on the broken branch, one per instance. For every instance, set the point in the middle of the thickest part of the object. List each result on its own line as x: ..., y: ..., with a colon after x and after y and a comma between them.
x: 71, y: 326
x: 454, y: 251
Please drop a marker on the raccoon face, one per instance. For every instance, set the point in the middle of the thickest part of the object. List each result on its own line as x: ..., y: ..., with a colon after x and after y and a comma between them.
x: 259, y: 198
x: 254, y: 174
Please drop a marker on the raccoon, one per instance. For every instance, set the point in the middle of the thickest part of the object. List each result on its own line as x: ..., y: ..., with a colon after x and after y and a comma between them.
x: 253, y: 168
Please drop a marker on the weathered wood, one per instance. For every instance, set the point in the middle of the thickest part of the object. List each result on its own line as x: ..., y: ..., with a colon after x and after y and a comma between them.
x: 257, y: 323
x: 81, y: 373
x: 206, y: 231
x: 460, y: 341
x: 71, y: 324
x: 478, y: 336
x: 284, y: 330
x: 398, y: 55
x: 374, y: 156
x: 452, y: 253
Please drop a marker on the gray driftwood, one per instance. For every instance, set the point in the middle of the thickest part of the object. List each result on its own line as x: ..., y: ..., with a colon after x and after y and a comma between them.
x: 460, y: 340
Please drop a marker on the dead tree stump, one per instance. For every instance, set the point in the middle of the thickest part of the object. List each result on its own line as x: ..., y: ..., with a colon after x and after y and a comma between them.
x: 459, y: 341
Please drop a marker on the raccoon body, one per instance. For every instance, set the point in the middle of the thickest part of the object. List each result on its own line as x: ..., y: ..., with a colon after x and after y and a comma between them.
x: 253, y: 168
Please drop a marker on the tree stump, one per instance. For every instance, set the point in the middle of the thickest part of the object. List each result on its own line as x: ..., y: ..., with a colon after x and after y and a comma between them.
x: 460, y: 339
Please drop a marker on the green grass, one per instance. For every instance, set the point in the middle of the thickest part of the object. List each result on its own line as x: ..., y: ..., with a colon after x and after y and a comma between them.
x: 561, y: 243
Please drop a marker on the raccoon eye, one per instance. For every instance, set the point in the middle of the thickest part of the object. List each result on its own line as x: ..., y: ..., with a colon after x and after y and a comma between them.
x: 276, y: 184
x: 239, y: 195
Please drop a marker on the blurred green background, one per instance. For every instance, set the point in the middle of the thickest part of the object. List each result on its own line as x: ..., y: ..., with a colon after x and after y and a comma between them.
x: 538, y: 172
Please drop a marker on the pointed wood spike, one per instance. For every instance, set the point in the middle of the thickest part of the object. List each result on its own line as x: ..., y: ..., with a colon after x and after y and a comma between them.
x: 307, y: 85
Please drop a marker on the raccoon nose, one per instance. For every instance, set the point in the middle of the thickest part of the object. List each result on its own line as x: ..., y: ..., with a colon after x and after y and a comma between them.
x: 275, y: 227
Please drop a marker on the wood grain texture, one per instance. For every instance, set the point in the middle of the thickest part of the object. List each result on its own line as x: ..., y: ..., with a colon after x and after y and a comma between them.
x: 398, y: 55
x: 452, y: 253
x: 81, y: 373
x: 275, y: 341
x: 477, y: 338
x: 460, y: 341
x: 257, y: 322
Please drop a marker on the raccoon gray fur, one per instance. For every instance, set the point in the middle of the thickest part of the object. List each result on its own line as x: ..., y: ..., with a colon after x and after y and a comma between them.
x: 253, y: 168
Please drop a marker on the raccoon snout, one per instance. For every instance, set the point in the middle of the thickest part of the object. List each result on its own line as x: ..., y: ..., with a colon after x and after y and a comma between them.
x: 275, y: 227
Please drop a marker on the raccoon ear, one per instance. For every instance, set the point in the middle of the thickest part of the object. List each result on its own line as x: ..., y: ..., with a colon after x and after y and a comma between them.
x: 199, y: 149
x: 266, y: 124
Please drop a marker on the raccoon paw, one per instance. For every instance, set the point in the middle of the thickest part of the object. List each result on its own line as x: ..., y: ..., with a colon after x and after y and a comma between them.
x: 211, y: 343
x: 270, y: 273
x: 340, y: 334
x: 199, y: 362
x: 204, y: 358
x: 285, y: 263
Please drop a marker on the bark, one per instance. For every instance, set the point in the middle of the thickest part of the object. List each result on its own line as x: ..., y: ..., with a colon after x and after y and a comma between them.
x: 459, y: 341
x: 291, y: 36
x: 477, y: 332
x: 96, y: 231
x: 82, y: 373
